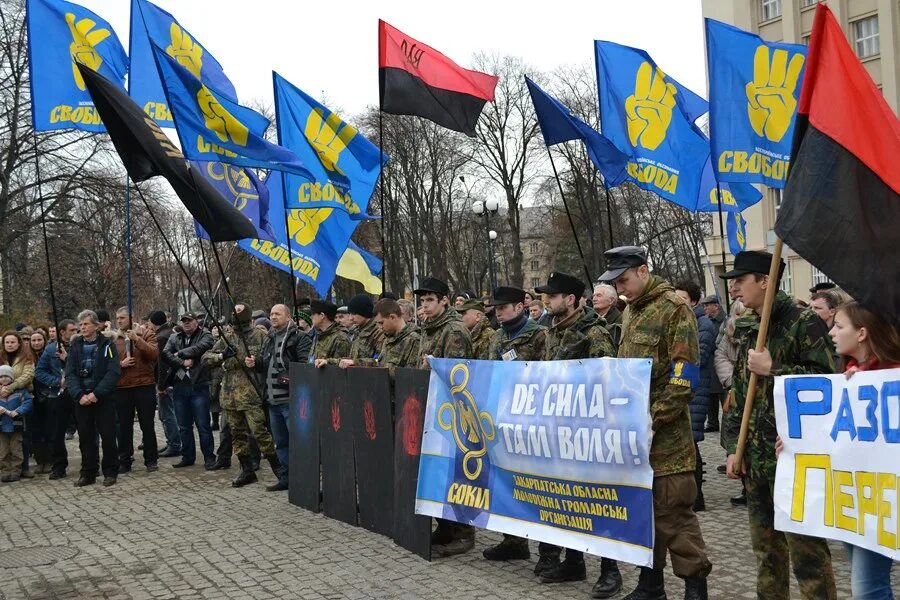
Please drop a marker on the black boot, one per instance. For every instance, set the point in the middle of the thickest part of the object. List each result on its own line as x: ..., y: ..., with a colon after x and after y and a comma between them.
x: 650, y: 586
x: 740, y: 499
x: 565, y: 571
x: 610, y: 580
x: 222, y: 462
x: 511, y: 548
x: 695, y: 588
x: 278, y: 469
x: 247, y: 474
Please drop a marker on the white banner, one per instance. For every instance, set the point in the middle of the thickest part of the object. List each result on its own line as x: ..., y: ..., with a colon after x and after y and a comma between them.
x: 839, y: 471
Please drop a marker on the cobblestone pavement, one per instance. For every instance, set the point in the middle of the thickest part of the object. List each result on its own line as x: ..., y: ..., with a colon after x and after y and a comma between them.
x: 187, y: 534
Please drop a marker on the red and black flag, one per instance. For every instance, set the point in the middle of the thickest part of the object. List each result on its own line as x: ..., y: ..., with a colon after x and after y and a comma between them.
x: 841, y: 208
x: 146, y: 152
x: 415, y: 79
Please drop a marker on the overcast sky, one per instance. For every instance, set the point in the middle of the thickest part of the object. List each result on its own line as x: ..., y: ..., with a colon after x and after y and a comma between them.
x: 329, y: 49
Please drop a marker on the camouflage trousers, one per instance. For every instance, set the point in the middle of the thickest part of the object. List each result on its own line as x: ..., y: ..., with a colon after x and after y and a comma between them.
x: 777, y: 552
x: 246, y: 422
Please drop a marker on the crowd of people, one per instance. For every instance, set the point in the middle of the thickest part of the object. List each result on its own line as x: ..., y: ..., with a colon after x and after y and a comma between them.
x: 199, y: 375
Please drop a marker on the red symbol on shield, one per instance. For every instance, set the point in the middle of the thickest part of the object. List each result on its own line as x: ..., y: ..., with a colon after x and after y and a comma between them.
x: 304, y: 409
x: 412, y: 426
x: 335, y: 415
x: 369, y: 417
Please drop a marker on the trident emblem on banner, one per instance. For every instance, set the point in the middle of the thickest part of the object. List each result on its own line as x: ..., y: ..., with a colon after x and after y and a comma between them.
x: 471, y: 428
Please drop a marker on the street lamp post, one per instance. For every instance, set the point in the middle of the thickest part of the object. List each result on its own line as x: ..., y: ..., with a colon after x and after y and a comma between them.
x: 486, y: 208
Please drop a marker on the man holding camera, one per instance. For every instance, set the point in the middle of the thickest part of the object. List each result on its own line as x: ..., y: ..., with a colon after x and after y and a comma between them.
x: 241, y: 397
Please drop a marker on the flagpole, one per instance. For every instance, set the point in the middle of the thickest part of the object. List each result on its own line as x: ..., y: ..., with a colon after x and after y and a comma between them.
x: 37, y: 168
x: 205, y: 268
x: 612, y: 244
x: 287, y: 231
x: 130, y: 302
x: 722, y: 243
x: 764, y: 320
x: 569, y: 215
x: 384, y: 245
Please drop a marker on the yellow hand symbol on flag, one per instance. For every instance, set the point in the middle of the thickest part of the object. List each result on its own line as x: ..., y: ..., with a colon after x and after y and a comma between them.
x: 183, y: 49
x: 649, y: 110
x: 329, y: 137
x: 303, y: 224
x: 82, y: 47
x: 219, y: 120
x: 770, y: 96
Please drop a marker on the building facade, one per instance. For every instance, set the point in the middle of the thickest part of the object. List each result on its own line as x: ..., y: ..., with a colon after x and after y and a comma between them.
x: 872, y: 28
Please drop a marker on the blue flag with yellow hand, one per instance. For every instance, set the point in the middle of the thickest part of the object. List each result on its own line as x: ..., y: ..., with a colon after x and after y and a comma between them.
x: 151, y: 25
x: 754, y: 87
x: 319, y: 240
x: 735, y: 197
x: 737, y: 233
x: 213, y: 128
x: 59, y: 34
x: 559, y: 125
x: 345, y: 165
x: 649, y: 116
x: 243, y: 189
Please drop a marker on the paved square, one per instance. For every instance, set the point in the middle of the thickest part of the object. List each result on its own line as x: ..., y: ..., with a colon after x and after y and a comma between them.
x: 187, y: 534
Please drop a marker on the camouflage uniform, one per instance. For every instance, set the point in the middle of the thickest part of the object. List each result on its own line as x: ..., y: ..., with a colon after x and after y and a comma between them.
x: 239, y: 397
x: 331, y: 343
x: 367, y: 341
x: 444, y: 337
x: 481, y: 337
x: 400, y: 350
x: 799, y: 344
x: 661, y: 326
x: 528, y: 343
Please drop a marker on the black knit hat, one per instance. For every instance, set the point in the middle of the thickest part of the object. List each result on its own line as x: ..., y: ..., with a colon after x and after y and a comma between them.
x: 158, y: 318
x: 362, y: 305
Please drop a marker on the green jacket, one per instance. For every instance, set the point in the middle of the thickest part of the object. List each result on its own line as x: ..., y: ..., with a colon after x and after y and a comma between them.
x: 660, y: 325
x: 401, y: 350
x: 528, y: 344
x: 444, y: 337
x: 481, y: 336
x: 238, y: 392
x: 581, y: 335
x: 331, y: 343
x: 367, y: 341
x: 799, y: 345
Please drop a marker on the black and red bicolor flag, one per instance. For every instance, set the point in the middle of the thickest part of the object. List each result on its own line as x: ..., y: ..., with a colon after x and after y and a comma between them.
x: 415, y: 79
x: 841, y: 208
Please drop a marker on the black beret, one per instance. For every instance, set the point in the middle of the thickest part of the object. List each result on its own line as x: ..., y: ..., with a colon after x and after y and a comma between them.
x: 561, y: 283
x: 507, y: 295
x: 434, y: 286
x: 324, y: 307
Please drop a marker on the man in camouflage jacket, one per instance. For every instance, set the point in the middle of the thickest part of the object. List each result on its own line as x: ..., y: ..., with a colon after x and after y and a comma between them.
x: 443, y: 336
x: 657, y: 324
x: 798, y: 343
x: 240, y: 396
x: 472, y: 313
x: 331, y: 340
x: 401, y: 342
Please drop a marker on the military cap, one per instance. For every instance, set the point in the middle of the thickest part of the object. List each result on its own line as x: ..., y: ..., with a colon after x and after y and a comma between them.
x: 507, y: 295
x: 324, y: 307
x: 362, y: 305
x: 471, y: 305
x: 432, y: 286
x: 188, y: 316
x: 713, y: 299
x: 619, y: 260
x: 752, y: 261
x: 821, y: 287
x: 561, y: 283
x: 342, y: 310
x: 259, y: 314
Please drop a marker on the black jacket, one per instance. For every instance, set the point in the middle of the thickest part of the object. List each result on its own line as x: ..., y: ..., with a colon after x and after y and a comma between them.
x: 181, y: 347
x: 296, y: 349
x: 162, y: 367
x: 104, y: 376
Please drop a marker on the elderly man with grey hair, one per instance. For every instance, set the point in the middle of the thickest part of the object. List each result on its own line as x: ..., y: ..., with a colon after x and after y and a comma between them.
x: 92, y: 373
x: 604, y: 301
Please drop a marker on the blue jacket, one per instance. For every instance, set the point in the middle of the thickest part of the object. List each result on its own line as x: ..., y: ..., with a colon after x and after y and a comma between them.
x: 49, y: 370
x: 20, y: 401
x: 699, y: 406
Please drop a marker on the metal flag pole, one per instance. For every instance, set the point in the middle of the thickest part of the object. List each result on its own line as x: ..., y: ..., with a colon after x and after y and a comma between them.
x: 384, y: 245
x: 612, y: 243
x: 569, y: 215
x: 130, y: 301
x: 40, y: 192
x: 722, y: 243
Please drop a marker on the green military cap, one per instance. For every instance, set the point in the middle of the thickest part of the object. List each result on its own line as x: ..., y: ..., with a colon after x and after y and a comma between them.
x: 473, y: 304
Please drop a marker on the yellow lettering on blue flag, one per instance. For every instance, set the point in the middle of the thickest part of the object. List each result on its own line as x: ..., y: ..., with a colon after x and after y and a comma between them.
x: 684, y: 374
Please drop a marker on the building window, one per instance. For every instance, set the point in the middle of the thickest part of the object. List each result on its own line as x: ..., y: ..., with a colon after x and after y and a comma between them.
x: 535, y: 282
x: 535, y: 265
x: 534, y: 247
x: 819, y: 277
x: 787, y: 283
x: 804, y: 39
x: 808, y: 3
x: 865, y: 36
x: 770, y: 9
x: 777, y: 197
